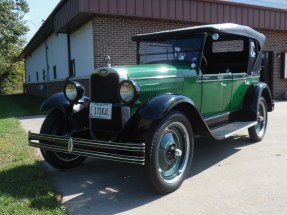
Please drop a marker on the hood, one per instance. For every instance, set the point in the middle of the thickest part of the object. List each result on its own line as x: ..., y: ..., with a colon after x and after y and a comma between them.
x: 148, y: 71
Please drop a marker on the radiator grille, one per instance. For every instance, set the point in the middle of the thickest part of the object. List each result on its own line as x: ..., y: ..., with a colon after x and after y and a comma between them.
x: 104, y: 89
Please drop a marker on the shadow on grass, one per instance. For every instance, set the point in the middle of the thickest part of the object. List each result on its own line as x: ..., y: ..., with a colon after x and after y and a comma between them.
x: 107, y: 187
x: 18, y: 105
x: 29, y: 182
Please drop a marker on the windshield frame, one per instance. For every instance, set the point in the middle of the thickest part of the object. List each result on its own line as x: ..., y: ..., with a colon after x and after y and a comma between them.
x: 174, y: 39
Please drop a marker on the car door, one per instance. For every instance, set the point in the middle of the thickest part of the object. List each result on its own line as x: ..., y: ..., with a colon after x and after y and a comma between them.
x: 211, y: 95
x: 216, y: 93
x: 226, y: 85
x: 240, y: 86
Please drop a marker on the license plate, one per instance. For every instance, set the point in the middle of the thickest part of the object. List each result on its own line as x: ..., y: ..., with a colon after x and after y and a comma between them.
x: 101, y: 110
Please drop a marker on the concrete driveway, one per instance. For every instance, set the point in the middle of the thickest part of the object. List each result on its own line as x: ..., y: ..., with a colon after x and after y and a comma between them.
x: 234, y: 176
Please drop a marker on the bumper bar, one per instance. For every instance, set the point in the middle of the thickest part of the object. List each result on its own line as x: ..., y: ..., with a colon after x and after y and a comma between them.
x: 121, y: 152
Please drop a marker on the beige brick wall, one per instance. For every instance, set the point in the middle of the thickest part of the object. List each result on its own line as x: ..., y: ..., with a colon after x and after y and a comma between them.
x: 277, y: 42
x: 112, y: 36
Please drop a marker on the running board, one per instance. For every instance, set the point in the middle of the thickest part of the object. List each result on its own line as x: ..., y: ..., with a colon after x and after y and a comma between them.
x: 230, y: 129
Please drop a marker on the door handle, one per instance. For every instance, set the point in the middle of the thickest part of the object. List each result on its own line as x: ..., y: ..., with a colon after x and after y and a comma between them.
x: 223, y: 85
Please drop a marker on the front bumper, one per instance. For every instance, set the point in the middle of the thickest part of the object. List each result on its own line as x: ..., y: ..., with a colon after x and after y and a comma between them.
x: 121, y: 152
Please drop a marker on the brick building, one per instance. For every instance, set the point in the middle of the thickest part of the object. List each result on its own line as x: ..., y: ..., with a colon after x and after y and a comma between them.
x: 77, y: 35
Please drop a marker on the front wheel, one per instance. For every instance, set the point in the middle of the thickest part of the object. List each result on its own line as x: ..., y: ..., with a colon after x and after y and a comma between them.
x: 257, y: 132
x: 54, y: 124
x: 169, y: 153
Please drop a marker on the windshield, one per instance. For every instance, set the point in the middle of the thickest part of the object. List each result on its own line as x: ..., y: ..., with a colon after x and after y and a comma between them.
x: 175, y: 51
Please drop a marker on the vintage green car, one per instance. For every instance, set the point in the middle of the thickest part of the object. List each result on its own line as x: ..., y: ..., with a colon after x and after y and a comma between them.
x: 197, y: 81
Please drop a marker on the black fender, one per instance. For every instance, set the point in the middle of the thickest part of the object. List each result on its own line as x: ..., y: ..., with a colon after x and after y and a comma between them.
x: 57, y: 101
x: 76, y: 115
x: 252, y: 97
x: 159, y: 107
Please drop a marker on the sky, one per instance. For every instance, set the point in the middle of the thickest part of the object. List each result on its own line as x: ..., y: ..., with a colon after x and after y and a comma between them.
x: 41, y: 9
x: 282, y: 4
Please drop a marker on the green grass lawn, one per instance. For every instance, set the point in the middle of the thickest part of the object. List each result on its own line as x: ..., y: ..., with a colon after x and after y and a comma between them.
x: 25, y: 185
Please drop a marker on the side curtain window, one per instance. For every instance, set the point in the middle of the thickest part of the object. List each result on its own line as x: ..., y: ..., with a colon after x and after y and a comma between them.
x: 253, y: 57
x: 228, y: 54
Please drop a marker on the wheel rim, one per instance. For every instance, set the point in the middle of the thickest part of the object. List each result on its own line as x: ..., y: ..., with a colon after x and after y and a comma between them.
x: 66, y: 157
x: 261, y: 119
x: 174, y: 152
x: 58, y: 129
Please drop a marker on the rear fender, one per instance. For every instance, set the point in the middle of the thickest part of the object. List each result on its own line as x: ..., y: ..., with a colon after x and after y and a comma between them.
x: 252, y: 98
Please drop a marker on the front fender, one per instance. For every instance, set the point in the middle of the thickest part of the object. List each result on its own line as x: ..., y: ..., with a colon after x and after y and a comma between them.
x: 159, y: 106
x: 76, y: 115
x: 156, y: 109
x: 57, y: 101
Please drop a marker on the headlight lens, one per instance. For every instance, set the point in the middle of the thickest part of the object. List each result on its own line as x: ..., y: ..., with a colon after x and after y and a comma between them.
x: 129, y: 91
x: 73, y: 91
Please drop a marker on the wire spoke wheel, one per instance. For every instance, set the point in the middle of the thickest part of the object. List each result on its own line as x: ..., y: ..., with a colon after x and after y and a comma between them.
x: 54, y: 124
x: 58, y: 130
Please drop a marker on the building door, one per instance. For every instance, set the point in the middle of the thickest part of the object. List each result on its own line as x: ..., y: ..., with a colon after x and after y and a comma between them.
x: 267, y: 69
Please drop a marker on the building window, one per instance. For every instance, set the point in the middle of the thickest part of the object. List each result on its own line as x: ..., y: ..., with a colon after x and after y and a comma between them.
x: 55, y: 72
x: 37, y: 76
x: 44, y: 75
x: 72, y: 68
x: 29, y: 78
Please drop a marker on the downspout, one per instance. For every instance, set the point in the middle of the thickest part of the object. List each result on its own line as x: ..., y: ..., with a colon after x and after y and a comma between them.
x: 47, y: 62
x: 69, y: 55
x: 25, y: 76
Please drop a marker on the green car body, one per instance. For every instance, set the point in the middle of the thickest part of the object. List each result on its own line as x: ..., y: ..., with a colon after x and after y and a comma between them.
x: 187, y: 82
x: 208, y: 92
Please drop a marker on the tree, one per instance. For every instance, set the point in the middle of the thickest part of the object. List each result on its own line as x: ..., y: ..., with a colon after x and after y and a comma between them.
x: 12, y: 30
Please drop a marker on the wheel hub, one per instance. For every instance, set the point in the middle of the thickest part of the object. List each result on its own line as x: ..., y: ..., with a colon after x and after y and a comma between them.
x: 173, y: 152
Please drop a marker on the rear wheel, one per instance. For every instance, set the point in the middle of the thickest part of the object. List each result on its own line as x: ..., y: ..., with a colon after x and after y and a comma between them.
x: 257, y: 132
x: 54, y: 124
x: 169, y: 153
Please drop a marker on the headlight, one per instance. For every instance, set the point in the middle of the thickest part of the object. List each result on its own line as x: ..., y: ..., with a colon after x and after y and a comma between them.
x: 73, y: 91
x: 129, y: 91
